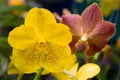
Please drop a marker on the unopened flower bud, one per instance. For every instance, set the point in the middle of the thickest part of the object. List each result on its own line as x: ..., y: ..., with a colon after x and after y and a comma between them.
x: 107, y: 49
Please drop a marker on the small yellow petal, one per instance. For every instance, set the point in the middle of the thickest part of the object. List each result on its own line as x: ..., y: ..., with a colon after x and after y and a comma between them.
x: 62, y: 76
x: 22, y: 37
x: 74, y: 69
x: 88, y: 70
x: 12, y: 69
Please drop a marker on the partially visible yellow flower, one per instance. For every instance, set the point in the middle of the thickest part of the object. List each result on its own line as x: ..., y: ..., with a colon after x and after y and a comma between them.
x: 40, y: 42
x: 85, y: 72
x: 108, y: 6
x: 16, y: 2
x: 79, y: 1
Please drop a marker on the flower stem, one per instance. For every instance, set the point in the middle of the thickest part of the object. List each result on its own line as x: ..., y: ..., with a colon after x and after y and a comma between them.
x: 20, y: 75
x: 37, y: 77
x: 98, y: 77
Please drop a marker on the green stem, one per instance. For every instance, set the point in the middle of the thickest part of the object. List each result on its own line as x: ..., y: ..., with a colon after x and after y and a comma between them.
x: 20, y: 75
x: 98, y: 77
x: 37, y: 77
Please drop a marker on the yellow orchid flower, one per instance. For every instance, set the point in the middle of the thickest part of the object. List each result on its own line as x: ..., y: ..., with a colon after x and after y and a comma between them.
x: 85, y: 72
x: 40, y: 42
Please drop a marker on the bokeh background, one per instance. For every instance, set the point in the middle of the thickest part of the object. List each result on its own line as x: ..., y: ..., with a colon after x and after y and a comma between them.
x: 12, y: 14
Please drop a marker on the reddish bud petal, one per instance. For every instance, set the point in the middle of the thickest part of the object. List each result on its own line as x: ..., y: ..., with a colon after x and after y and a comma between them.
x: 57, y: 16
x: 107, y: 50
x: 91, y: 15
x: 65, y: 11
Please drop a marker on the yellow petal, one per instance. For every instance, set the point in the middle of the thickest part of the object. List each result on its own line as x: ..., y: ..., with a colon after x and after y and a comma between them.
x: 71, y: 63
x: 59, y: 34
x: 39, y: 17
x: 22, y: 37
x: 72, y: 72
x: 55, y: 58
x: 12, y: 69
x: 62, y: 76
x: 27, y: 61
x: 88, y: 70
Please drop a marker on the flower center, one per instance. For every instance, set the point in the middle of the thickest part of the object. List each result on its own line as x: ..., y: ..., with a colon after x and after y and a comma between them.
x: 41, y: 45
